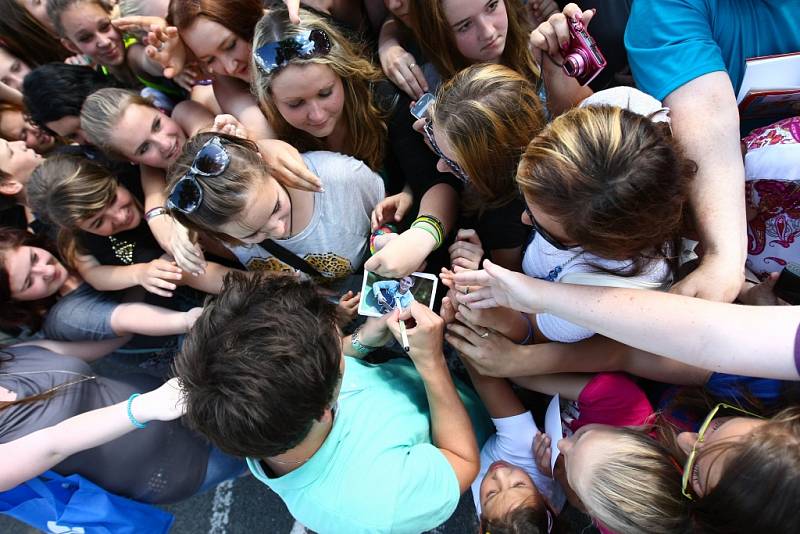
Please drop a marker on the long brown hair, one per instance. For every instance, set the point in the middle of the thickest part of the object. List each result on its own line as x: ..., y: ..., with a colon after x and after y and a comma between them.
x: 239, y: 16
x: 616, y: 181
x: 760, y: 485
x: 366, y: 124
x: 15, y: 315
x: 433, y: 33
x: 489, y: 114
x: 26, y: 38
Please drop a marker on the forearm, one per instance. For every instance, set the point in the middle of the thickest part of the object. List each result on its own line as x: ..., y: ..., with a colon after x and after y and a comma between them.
x: 390, y: 35
x: 451, y: 427
x: 147, y: 320
x: 746, y: 340
x: 496, y: 394
x: 563, y: 92
x: 87, y: 351
x: 514, y: 325
x: 211, y: 281
x: 235, y: 99
x: 441, y: 201
x: 705, y: 121
x: 31, y: 455
x: 111, y: 277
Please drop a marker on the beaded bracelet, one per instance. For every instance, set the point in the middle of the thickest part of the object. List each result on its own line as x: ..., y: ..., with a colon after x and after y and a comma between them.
x: 132, y: 419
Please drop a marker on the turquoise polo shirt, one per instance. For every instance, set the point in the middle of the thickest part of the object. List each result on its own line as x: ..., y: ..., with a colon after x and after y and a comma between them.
x: 377, y: 471
x: 672, y: 42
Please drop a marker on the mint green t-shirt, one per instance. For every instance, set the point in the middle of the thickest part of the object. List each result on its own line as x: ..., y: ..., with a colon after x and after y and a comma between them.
x: 672, y: 42
x: 377, y: 470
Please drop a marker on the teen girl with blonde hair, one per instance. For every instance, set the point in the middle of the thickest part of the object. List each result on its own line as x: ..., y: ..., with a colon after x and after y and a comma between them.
x: 320, y: 93
x: 482, y: 119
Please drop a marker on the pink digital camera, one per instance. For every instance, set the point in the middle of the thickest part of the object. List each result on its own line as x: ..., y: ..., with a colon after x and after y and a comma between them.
x: 583, y: 60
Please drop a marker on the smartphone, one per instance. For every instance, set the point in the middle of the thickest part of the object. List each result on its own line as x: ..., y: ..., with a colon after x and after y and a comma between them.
x: 420, y: 109
x: 788, y: 285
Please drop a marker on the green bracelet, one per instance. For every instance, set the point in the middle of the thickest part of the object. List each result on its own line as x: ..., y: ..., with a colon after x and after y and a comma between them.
x: 428, y: 227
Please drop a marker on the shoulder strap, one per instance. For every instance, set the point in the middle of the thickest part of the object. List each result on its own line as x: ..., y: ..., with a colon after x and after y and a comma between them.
x: 290, y: 258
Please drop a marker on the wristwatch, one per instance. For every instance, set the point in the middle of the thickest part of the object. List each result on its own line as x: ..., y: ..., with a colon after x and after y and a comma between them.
x: 359, y: 347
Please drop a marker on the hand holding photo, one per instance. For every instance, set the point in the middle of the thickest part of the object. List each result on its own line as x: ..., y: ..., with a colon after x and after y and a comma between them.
x: 380, y: 295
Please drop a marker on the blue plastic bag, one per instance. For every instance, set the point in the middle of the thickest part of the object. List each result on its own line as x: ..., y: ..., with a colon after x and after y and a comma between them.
x: 73, y: 505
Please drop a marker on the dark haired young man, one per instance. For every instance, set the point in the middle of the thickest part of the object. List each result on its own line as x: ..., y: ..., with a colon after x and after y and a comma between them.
x: 54, y: 93
x: 350, y: 447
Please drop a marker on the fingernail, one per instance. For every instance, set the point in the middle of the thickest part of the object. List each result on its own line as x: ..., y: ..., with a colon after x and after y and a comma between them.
x: 594, y: 10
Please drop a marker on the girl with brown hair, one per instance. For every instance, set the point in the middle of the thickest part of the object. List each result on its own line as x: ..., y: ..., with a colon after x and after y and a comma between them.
x: 103, y: 233
x: 605, y: 191
x: 40, y: 294
x: 481, y: 121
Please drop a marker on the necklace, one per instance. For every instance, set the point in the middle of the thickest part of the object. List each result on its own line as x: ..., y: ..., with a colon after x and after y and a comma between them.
x: 555, y: 271
x: 53, y: 389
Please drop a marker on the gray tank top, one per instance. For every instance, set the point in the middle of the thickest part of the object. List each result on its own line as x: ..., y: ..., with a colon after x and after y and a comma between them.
x: 162, y: 463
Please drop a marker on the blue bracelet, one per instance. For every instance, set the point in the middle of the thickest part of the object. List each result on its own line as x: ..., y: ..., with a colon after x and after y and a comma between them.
x: 132, y: 419
x: 530, y: 330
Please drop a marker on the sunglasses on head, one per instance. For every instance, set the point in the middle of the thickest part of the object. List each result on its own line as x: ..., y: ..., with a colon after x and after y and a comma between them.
x: 455, y: 167
x: 701, y: 436
x: 277, y: 54
x: 211, y: 160
x: 547, y: 236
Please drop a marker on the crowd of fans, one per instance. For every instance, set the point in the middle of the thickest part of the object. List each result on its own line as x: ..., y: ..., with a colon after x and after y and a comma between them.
x: 208, y: 181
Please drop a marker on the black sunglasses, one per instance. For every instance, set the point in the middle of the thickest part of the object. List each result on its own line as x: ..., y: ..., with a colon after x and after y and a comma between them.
x: 211, y: 160
x: 455, y: 167
x: 276, y: 54
x: 547, y: 236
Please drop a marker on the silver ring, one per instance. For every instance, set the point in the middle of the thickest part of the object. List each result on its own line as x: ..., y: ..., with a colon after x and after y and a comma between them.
x: 466, y: 290
x: 485, y: 334
x: 160, y: 46
x: 411, y: 65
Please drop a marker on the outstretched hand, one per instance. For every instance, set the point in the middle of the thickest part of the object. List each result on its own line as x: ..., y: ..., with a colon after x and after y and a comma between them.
x: 499, y: 287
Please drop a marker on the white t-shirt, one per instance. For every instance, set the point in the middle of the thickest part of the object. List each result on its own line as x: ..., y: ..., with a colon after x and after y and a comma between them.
x: 541, y: 258
x: 336, y: 240
x: 513, y: 443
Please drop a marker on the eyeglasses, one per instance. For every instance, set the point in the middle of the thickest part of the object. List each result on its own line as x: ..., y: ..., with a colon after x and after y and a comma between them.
x: 701, y: 434
x: 547, y: 236
x: 276, y: 54
x: 455, y: 167
x: 211, y: 160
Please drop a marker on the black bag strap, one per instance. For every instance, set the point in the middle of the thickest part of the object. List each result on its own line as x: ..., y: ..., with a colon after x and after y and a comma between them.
x: 290, y: 258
